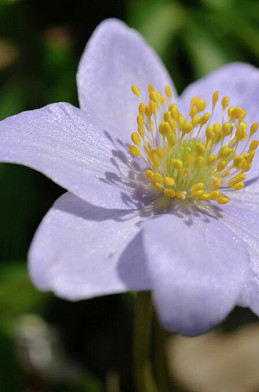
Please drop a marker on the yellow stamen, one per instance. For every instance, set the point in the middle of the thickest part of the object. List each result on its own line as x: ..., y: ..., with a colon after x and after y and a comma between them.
x: 187, y: 157
x: 135, y: 151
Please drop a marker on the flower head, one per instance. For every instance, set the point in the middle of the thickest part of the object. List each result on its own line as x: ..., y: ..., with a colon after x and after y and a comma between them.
x: 171, y: 212
x: 187, y: 157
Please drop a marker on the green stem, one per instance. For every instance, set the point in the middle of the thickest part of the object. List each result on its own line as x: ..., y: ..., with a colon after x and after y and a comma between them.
x: 144, y: 381
x: 160, y: 363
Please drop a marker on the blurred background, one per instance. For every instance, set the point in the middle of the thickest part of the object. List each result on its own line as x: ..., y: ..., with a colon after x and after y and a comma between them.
x: 48, y: 344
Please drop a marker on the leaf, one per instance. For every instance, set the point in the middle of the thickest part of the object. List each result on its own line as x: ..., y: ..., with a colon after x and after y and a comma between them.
x: 17, y: 293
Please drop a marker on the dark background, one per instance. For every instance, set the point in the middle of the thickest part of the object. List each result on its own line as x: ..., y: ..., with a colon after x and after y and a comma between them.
x: 86, y: 345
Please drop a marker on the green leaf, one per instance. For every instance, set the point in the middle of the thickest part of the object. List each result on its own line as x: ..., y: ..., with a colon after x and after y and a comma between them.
x: 10, y: 377
x: 17, y: 294
x: 158, y: 22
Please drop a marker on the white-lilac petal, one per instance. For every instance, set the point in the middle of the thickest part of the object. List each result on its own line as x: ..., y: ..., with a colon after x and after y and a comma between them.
x: 247, y: 198
x: 117, y: 57
x: 76, y: 152
x: 244, y: 223
x: 81, y: 251
x: 197, y: 269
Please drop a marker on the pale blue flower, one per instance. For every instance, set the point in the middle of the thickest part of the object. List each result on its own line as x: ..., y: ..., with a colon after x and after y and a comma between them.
x: 114, y: 231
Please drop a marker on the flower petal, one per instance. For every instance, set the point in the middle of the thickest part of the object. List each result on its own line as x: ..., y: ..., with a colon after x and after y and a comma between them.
x: 247, y: 198
x: 65, y: 144
x: 197, y: 269
x: 240, y: 82
x: 244, y: 223
x: 81, y: 251
x: 117, y: 57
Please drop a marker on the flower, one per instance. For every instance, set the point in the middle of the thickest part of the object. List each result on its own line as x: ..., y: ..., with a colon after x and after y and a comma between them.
x: 155, y: 217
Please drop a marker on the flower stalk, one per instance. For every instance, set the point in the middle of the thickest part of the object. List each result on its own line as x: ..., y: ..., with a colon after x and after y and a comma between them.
x: 144, y: 381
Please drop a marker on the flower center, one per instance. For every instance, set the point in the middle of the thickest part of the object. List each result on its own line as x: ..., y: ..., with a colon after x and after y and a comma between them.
x: 188, y: 157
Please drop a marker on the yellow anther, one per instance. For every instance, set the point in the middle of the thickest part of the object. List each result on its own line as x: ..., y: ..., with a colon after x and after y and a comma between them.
x: 190, y: 159
x: 150, y: 175
x: 168, y: 91
x: 174, y: 112
x: 253, y: 145
x: 181, y: 195
x: 225, y: 102
x: 230, y: 110
x: 196, y: 120
x: 164, y: 128
x: 216, y: 129
x: 240, y: 177
x: 237, y: 113
x: 195, y: 101
x: 246, y: 167
x: 240, y: 132
x: 171, y: 139
x: 250, y: 157
x: 204, y: 196
x: 242, y: 115
x: 135, y: 138
x: 199, y: 162
x: 214, y: 195
x: 227, y: 129
x: 173, y: 106
x: 169, y: 181
x: 193, y: 111
x: 153, y: 107
x: 140, y: 120
x: 185, y: 171
x: 237, y: 185
x: 142, y: 108
x: 135, y: 151
x: 136, y: 91
x: 153, y: 97
x: 150, y: 88
x: 177, y: 164
x: 172, y: 124
x: 198, y: 193
x: 222, y: 164
x: 215, y: 98
x: 209, y: 132
x: 224, y: 152
x: 169, y: 192
x: 167, y: 115
x: 160, y: 152
x: 198, y: 187
x: 187, y: 127
x: 141, y: 132
x: 158, y: 178
x: 205, y: 118
x: 158, y: 185
x: 148, y: 111
x: 216, y: 182
x: 201, y: 105
x: 253, y: 128
x: 211, y: 159
x: 181, y: 122
x: 199, y: 148
x: 239, y: 162
x: 159, y: 97
x: 154, y: 158
x: 223, y: 200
